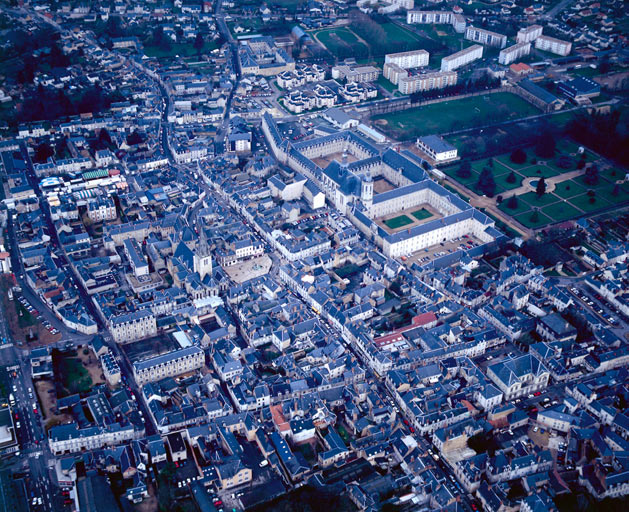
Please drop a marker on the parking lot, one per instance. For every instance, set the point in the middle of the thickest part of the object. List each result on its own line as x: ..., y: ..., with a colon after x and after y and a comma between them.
x: 430, y: 253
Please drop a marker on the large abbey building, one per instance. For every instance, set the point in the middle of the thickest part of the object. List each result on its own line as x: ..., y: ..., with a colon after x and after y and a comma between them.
x: 345, y: 167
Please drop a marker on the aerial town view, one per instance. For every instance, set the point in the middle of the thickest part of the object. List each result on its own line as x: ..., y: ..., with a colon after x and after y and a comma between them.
x: 314, y: 255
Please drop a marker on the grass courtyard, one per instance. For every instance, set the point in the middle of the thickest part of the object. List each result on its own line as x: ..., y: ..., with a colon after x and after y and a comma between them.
x: 453, y: 115
x: 421, y: 214
x: 398, y: 222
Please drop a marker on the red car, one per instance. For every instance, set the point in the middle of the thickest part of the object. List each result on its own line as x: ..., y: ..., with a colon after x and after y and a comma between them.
x: 537, y: 393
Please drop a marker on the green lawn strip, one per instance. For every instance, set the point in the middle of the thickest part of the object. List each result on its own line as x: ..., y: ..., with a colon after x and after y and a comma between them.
x: 468, y: 182
x: 386, y: 84
x: 398, y: 222
x: 521, y: 207
x: 613, y: 174
x: 421, y: 214
x: 561, y: 211
x: 535, y: 201
x: 454, y: 115
x: 607, y: 192
x: 544, y: 170
x: 525, y: 220
x: 25, y: 319
x: 569, y: 188
x: 502, y: 185
x: 583, y: 202
x: 506, y: 160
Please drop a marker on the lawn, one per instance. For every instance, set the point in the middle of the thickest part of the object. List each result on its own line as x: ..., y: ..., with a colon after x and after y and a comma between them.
x: 521, y: 207
x: 421, y: 214
x: 74, y: 376
x: 560, y: 211
x: 386, y: 84
x: 398, y: 222
x: 539, y: 170
x: 532, y: 199
x: 568, y: 189
x: 453, y: 115
x: 583, y: 202
x: 526, y: 220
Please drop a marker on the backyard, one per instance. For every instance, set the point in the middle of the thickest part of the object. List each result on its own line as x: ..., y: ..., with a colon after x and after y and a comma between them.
x: 454, y: 115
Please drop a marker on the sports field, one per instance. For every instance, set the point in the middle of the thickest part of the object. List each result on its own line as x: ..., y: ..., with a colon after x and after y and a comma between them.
x: 339, y: 40
x: 398, y: 222
x: 453, y: 115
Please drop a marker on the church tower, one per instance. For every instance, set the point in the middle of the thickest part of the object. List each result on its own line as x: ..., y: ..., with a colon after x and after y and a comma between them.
x: 203, y: 256
x: 366, y: 191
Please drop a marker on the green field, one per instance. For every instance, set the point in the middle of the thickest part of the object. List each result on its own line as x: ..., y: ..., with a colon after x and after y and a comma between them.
x: 453, y: 115
x: 421, y: 214
x: 180, y: 49
x: 339, y: 40
x: 398, y: 222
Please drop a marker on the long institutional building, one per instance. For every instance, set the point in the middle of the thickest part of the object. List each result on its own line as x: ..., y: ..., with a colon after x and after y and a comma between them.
x: 427, y: 81
x: 171, y: 364
x: 349, y: 187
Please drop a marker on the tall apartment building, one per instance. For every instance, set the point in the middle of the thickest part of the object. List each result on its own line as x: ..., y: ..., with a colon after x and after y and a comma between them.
x: 529, y: 34
x: 408, y: 60
x: 486, y: 37
x: 427, y: 81
x: 394, y: 73
x: 171, y: 364
x: 459, y: 59
x: 437, y: 18
x: 513, y: 53
x: 553, y: 45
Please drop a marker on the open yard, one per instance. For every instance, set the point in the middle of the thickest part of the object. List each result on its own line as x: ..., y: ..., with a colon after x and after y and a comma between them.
x: 453, y: 115
x: 75, y: 373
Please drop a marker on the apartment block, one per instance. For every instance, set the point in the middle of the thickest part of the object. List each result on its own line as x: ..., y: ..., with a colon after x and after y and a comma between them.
x: 513, y: 53
x: 427, y: 81
x: 408, y: 60
x: 462, y: 58
x: 356, y: 73
x: 553, y: 45
x: 529, y: 34
x: 133, y: 326
x: 486, y: 37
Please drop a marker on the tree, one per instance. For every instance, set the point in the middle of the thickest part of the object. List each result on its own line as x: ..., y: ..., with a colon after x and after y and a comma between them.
x: 540, y: 189
x: 465, y: 170
x: 511, y: 178
x: 591, y: 175
x: 486, y: 182
x: 198, y: 42
x: 616, y: 190
x: 535, y: 216
x: 512, y: 203
x: 42, y: 152
x: 580, y: 164
x: 545, y: 145
x: 518, y: 156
